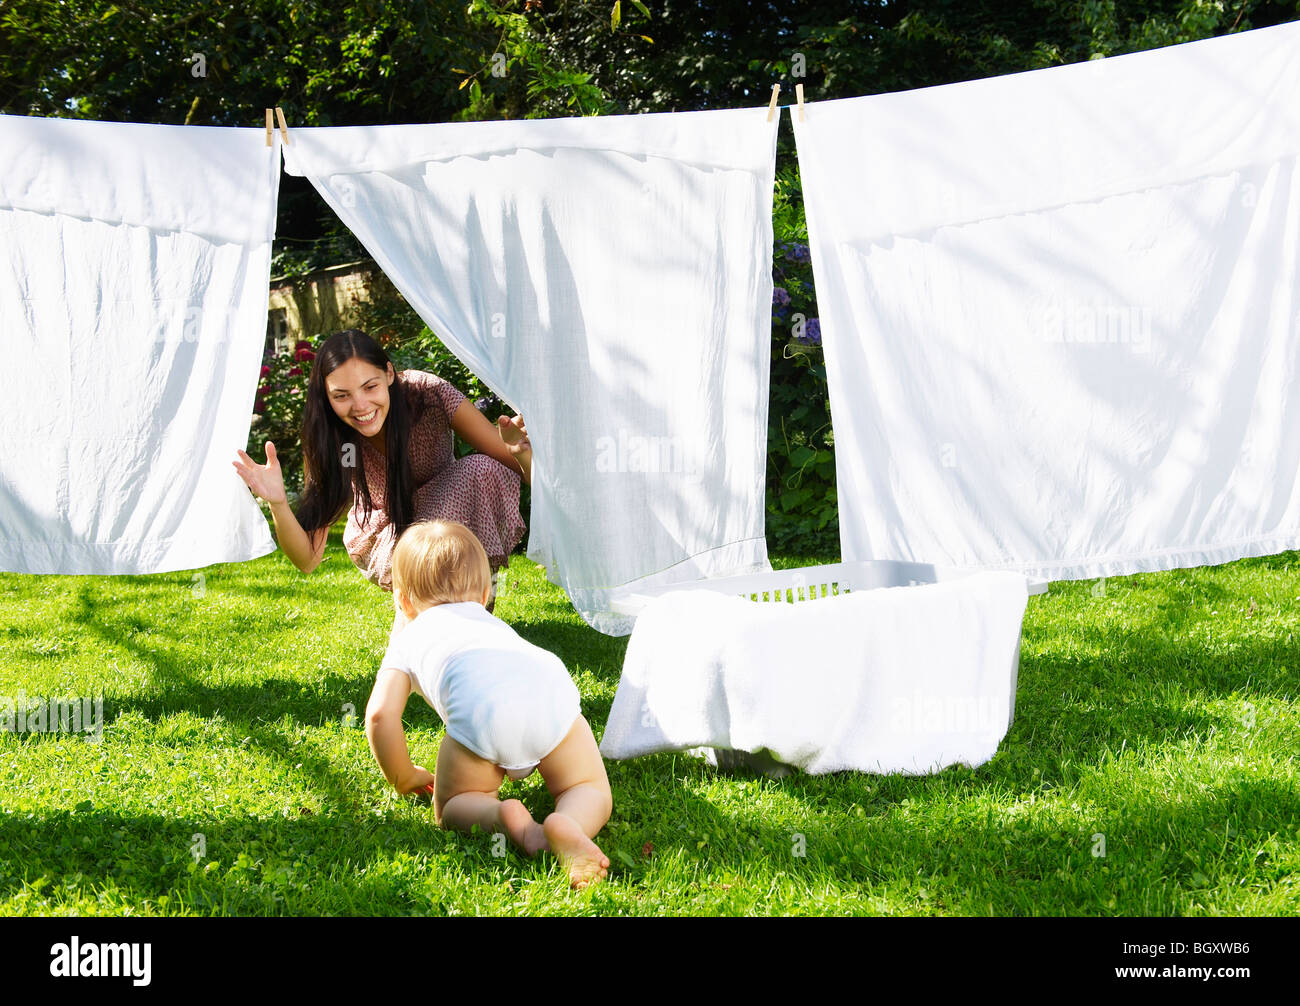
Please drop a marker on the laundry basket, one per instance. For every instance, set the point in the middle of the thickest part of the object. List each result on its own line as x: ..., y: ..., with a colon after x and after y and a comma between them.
x: 810, y: 584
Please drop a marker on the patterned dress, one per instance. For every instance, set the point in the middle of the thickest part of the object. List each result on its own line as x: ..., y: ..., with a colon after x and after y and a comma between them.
x: 477, y: 491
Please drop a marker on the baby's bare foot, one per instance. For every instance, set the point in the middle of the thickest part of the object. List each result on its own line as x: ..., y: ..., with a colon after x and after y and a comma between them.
x: 521, y: 828
x: 579, y: 854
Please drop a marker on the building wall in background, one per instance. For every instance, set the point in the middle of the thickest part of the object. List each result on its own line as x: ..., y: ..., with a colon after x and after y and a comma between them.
x: 318, y: 303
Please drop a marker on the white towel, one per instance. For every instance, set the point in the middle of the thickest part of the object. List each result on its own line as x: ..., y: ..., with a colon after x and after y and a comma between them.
x: 900, y: 679
x: 133, y: 299
x: 610, y: 278
x: 1061, y: 311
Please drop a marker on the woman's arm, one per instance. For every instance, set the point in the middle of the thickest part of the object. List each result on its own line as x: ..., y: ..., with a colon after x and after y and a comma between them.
x: 305, y: 550
x: 475, y: 430
x: 266, y: 481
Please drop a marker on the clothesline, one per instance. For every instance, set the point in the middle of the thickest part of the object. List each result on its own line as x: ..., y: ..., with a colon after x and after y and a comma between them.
x: 284, y: 127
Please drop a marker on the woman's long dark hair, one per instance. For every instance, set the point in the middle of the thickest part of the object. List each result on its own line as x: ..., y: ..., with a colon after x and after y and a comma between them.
x: 327, y: 483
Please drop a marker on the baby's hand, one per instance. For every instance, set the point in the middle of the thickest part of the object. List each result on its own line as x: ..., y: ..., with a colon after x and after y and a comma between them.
x: 419, y: 783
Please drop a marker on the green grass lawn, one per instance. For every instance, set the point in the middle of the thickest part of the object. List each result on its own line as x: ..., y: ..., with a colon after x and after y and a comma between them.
x: 1160, y: 713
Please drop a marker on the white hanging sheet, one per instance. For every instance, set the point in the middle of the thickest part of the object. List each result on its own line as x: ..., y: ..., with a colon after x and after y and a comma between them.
x: 610, y: 278
x: 133, y: 297
x: 1061, y: 311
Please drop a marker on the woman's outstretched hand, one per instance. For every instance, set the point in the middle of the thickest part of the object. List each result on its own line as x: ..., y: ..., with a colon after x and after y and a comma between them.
x: 266, y: 480
x: 514, y: 433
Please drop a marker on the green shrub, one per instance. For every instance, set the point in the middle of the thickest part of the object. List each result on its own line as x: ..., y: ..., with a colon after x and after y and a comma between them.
x: 802, y: 508
x: 277, y: 413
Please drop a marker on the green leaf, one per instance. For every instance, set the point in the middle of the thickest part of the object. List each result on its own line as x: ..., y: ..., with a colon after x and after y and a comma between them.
x: 615, y: 15
x: 794, y: 498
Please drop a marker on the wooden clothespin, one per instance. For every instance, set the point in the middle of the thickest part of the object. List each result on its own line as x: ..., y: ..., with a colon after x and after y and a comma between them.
x: 771, y: 107
x: 270, y: 127
x: 284, y: 126
x: 798, y: 93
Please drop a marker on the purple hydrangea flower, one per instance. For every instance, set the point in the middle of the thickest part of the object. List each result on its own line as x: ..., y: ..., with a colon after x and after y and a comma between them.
x: 780, y: 296
x: 487, y: 402
x: 797, y: 253
x: 812, y: 333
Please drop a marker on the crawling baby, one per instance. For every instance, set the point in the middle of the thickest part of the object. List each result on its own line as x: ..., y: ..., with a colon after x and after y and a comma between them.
x: 509, y: 707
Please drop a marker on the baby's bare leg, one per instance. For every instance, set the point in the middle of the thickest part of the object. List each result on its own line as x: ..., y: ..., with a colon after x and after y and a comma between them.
x: 465, y: 794
x: 575, y: 774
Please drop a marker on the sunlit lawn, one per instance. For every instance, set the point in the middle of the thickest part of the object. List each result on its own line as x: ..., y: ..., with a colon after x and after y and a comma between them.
x: 1157, y: 722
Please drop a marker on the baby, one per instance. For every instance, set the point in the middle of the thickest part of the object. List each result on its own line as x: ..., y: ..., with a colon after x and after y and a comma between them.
x: 509, y: 707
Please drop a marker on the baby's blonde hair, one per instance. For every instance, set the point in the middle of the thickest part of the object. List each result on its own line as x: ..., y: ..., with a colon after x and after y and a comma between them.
x: 440, y: 562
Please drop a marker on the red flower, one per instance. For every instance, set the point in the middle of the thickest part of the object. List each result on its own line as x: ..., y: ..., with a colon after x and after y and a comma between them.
x: 295, y: 371
x: 264, y: 390
x: 301, y: 344
x: 259, y: 406
x: 265, y: 371
x: 304, y: 354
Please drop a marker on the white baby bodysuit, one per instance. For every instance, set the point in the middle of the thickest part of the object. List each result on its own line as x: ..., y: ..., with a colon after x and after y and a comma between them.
x: 502, y: 697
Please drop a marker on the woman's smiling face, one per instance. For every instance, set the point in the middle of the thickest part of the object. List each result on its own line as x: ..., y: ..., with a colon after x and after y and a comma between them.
x: 358, y: 393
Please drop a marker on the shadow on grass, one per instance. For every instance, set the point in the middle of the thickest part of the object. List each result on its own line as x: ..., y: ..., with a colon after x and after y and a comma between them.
x: 1159, y: 853
x: 365, y: 864
x: 348, y: 861
x: 292, y: 865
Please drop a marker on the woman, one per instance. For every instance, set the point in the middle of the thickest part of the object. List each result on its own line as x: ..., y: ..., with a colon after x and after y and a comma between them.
x: 383, y: 443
